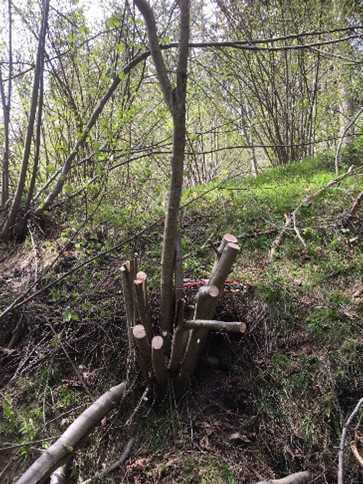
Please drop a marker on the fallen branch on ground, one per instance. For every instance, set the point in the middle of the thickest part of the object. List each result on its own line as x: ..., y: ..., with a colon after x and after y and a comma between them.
x: 55, y: 456
x: 125, y: 454
x: 342, y: 442
x: 296, y: 478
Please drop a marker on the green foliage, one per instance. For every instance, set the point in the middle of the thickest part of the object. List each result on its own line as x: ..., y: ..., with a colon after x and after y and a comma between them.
x: 23, y: 422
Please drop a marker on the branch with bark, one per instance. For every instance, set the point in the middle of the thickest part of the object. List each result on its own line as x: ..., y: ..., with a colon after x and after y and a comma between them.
x: 54, y: 457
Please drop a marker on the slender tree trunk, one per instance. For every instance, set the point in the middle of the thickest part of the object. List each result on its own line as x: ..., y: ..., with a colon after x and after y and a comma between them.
x: 37, y: 144
x: 6, y: 104
x: 39, y: 68
x: 175, y: 100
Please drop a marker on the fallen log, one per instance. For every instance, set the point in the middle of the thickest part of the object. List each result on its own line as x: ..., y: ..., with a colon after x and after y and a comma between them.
x: 60, y: 451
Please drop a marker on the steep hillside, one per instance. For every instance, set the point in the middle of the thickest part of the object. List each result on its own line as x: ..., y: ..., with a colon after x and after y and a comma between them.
x: 265, y: 404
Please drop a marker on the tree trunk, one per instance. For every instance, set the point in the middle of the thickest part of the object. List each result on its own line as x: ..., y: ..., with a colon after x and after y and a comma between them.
x: 39, y: 69
x: 175, y: 100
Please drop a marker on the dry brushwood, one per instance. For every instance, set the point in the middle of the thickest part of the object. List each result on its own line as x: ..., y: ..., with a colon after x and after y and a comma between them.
x: 296, y: 478
x: 64, y: 447
x: 356, y: 205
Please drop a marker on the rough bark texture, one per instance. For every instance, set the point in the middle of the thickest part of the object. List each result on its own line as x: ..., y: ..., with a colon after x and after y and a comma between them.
x: 53, y: 457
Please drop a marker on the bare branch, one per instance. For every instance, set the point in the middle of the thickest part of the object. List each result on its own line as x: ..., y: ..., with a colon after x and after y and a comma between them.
x: 342, y: 441
x: 155, y: 50
x: 65, y: 445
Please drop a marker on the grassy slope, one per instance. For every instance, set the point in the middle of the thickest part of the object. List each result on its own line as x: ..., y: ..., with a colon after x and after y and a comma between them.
x: 285, y: 388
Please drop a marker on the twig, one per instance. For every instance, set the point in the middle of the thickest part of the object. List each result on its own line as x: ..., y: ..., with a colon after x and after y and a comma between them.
x: 278, y: 240
x: 342, y: 442
x: 35, y: 254
x: 297, y: 231
x: 291, y: 217
x: 211, y: 324
x: 75, y: 369
x: 27, y: 444
x: 136, y: 409
x: 346, y: 129
x: 125, y: 454
x: 356, y: 204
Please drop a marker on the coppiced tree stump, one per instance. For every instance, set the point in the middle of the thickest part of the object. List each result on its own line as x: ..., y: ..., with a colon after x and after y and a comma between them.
x: 173, y: 357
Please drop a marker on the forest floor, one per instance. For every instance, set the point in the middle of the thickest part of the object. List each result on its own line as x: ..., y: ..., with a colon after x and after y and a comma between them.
x: 263, y: 405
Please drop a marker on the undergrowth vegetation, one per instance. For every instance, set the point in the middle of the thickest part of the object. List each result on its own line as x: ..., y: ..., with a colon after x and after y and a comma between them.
x: 269, y: 403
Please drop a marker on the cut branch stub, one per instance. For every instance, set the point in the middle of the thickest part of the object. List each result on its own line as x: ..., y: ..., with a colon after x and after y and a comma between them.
x: 158, y: 361
x: 207, y: 299
x: 143, y: 349
x: 224, y: 265
x: 211, y: 324
x: 142, y: 308
x: 227, y: 239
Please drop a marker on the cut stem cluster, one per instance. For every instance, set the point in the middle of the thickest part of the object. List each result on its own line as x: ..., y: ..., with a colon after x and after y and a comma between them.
x: 174, y: 355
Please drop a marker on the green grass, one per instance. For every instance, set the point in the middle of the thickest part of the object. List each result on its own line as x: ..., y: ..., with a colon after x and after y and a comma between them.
x: 301, y: 391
